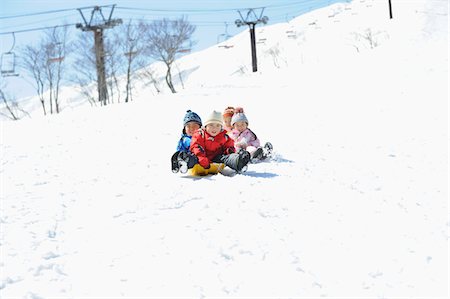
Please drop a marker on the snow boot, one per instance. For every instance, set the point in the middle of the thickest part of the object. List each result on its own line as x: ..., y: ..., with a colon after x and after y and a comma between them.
x: 243, y: 159
x: 258, y: 154
x: 268, y: 150
x: 174, y: 162
x: 183, y: 159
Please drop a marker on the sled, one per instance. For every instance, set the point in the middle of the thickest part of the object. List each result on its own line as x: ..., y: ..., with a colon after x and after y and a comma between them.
x: 198, y: 170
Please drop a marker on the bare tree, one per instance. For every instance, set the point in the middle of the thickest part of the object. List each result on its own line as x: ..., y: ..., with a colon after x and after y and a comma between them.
x: 275, y: 53
x: 165, y: 40
x: 113, y: 62
x: 87, y: 91
x: 369, y: 36
x: 86, y: 67
x: 33, y: 63
x: 10, y: 113
x: 85, y: 63
x: 13, y: 111
x: 55, y: 49
x: 129, y: 37
x: 146, y: 72
x: 44, y: 62
x: 368, y: 39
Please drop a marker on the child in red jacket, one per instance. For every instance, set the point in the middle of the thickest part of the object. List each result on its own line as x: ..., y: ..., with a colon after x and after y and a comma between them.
x: 212, y: 144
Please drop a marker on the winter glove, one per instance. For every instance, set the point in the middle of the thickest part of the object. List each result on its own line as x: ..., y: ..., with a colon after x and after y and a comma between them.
x: 204, y: 162
x: 229, y: 150
x: 241, y: 144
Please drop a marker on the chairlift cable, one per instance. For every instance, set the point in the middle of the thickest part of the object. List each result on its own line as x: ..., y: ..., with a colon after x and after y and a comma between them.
x: 36, y: 13
x: 36, y: 29
x: 212, y: 10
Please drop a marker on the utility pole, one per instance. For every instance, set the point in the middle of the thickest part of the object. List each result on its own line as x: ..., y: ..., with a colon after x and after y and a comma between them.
x: 97, y: 23
x: 390, y: 9
x: 251, y: 20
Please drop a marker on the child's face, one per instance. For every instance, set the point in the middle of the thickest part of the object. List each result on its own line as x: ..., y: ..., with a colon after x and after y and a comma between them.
x: 191, y: 127
x: 227, y: 120
x: 213, y: 129
x: 240, y: 126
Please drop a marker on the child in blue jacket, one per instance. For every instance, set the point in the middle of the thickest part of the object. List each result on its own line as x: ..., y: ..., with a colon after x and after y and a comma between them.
x: 191, y: 123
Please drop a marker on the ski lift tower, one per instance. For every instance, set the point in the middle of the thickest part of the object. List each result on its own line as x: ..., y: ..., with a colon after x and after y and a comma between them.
x: 251, y: 19
x: 97, y: 23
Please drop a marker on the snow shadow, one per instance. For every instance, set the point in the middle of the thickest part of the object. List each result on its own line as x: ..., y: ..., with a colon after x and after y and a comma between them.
x: 279, y: 159
x: 266, y: 175
x: 182, y: 76
x: 194, y: 178
x: 275, y: 159
x: 283, y: 160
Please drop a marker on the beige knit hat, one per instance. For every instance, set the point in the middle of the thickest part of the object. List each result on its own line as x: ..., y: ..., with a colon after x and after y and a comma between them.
x: 214, y: 117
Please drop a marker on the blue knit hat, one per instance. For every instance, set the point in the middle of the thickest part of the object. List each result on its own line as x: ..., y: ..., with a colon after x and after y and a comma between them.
x: 191, y: 116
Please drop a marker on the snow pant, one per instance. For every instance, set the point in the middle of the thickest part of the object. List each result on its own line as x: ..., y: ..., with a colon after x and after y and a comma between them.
x: 251, y: 149
x: 234, y: 161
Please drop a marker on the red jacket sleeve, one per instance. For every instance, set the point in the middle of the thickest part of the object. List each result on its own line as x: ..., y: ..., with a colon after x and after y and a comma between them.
x: 198, y: 148
x: 229, y: 146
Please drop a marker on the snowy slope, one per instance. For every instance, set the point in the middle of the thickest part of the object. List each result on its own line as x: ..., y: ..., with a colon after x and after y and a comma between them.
x: 353, y: 205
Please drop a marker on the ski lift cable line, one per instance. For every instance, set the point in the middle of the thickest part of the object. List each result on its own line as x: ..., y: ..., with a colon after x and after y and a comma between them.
x: 198, y: 23
x: 40, y: 21
x: 214, y: 10
x: 149, y: 9
x: 36, y: 29
x: 150, y: 20
x: 174, y: 10
x: 48, y: 12
x: 163, y: 13
x: 159, y: 13
x: 294, y: 4
x: 203, y: 24
x: 38, y: 13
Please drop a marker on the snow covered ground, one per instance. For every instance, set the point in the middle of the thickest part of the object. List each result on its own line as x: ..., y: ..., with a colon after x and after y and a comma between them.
x: 353, y: 205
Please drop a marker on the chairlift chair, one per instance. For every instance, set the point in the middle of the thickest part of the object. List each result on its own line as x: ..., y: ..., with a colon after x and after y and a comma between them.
x: 222, y: 38
x: 226, y: 46
x: 261, y: 41
x: 55, y: 59
x: 8, y: 61
x: 58, y: 57
x: 130, y: 54
x: 8, y: 64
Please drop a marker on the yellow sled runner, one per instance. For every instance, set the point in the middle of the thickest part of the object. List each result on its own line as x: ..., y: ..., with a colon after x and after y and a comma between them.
x: 198, y: 170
